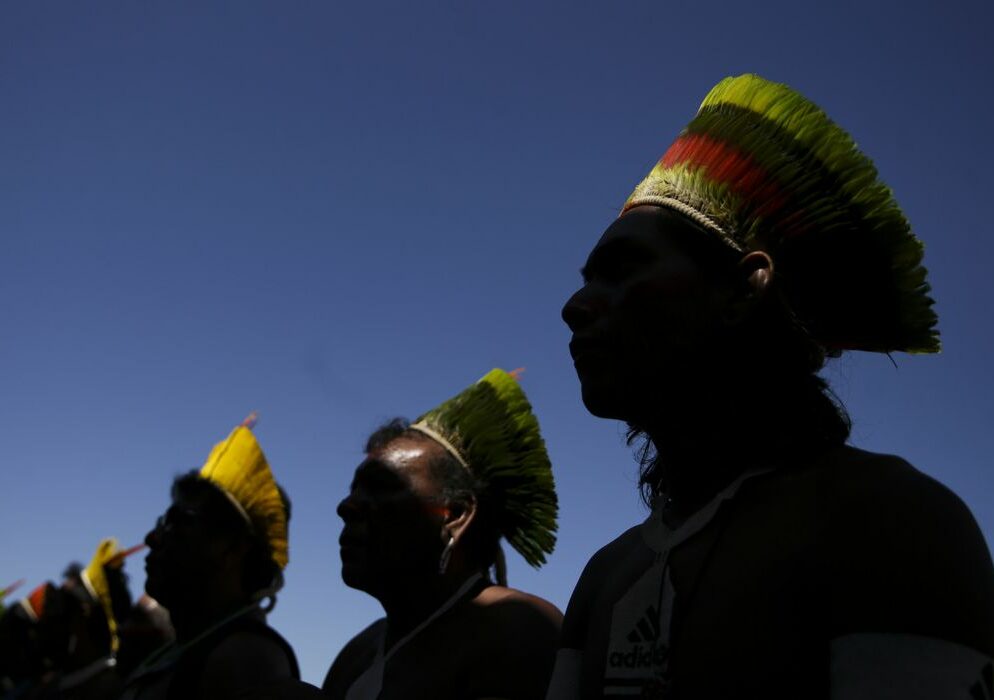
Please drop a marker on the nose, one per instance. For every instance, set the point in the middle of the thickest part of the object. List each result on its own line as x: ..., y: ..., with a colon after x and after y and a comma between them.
x: 347, y: 508
x: 153, y: 537
x: 578, y: 312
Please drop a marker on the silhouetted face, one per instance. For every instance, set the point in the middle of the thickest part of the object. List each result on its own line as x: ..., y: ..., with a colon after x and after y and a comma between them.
x: 185, y: 553
x: 392, y: 517
x: 645, y: 313
x: 33, y: 647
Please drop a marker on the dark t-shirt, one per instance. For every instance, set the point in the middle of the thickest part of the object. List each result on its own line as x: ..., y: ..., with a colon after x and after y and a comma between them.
x: 183, y: 678
x: 847, y: 543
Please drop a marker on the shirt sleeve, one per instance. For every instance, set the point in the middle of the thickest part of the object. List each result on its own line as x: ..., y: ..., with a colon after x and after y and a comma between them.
x: 565, y: 681
x: 870, y: 666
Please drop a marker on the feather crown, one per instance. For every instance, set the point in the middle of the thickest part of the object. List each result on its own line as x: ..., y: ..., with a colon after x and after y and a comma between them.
x: 493, y: 432
x: 763, y: 168
x: 239, y: 468
x: 94, y: 576
x: 34, y: 603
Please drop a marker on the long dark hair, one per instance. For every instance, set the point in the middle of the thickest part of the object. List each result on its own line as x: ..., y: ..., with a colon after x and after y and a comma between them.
x: 771, y: 364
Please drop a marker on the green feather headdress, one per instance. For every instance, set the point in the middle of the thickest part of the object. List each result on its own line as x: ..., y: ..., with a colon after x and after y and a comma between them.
x: 491, y: 430
x: 763, y: 168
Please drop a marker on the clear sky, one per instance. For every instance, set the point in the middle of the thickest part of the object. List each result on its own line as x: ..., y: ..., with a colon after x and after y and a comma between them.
x: 335, y: 213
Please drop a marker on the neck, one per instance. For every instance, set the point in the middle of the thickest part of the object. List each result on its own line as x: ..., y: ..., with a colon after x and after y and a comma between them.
x: 713, y: 434
x: 694, y: 466
x: 411, y: 605
x: 192, y: 620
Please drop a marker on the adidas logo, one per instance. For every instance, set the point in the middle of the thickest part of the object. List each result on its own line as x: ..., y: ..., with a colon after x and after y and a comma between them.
x: 647, y: 628
x: 647, y: 651
x: 984, y: 688
x: 649, y: 656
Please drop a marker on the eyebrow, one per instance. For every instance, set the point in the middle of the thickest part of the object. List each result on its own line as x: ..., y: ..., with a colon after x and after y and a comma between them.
x: 373, y: 471
x: 612, y: 252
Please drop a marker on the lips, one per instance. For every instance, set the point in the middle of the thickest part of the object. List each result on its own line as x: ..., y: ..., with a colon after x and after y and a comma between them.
x: 349, y: 543
x: 582, y: 350
x: 349, y: 537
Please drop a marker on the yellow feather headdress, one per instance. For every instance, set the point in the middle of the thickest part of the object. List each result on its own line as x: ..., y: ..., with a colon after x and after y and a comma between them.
x: 108, y: 555
x: 239, y: 468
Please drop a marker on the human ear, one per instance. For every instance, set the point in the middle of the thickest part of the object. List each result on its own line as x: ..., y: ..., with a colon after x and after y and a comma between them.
x: 458, y: 520
x: 756, y: 272
x: 757, y: 267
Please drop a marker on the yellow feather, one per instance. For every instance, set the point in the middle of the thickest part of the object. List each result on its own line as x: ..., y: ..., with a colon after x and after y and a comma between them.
x: 95, y: 580
x: 238, y: 466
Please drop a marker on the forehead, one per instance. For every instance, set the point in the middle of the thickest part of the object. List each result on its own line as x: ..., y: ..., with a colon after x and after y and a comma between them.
x: 190, y: 498
x: 403, y: 461
x: 197, y: 508
x: 650, y: 230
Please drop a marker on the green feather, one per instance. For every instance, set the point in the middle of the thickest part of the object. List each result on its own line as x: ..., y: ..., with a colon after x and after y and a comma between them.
x: 492, y: 426
x: 854, y: 274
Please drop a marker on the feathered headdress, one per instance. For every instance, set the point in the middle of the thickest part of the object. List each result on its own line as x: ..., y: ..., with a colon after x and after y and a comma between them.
x: 491, y: 430
x: 239, y: 468
x: 763, y: 168
x: 94, y: 577
x: 34, y: 603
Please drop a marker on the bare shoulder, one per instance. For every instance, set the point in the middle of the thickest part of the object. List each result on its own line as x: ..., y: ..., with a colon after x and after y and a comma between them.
x: 916, y: 560
x: 502, y: 597
x: 353, y: 659
x: 507, y: 629
x: 244, y: 660
x: 518, y: 612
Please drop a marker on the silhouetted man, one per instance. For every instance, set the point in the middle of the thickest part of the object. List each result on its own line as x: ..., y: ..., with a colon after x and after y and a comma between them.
x: 61, y: 641
x: 777, y: 561
x: 215, y: 555
x: 422, y: 527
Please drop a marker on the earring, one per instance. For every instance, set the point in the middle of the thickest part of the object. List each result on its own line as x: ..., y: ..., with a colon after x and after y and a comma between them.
x: 443, y: 561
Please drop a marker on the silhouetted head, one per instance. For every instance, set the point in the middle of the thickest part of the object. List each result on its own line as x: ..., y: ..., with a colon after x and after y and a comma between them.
x: 408, y: 497
x: 22, y: 651
x: 63, y: 631
x: 664, y: 306
x: 649, y: 315
x: 670, y: 323
x: 202, y: 548
x: 120, y: 599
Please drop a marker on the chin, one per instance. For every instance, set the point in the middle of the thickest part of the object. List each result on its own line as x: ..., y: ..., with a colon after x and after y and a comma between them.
x: 603, y: 400
x: 155, y: 591
x: 353, y: 577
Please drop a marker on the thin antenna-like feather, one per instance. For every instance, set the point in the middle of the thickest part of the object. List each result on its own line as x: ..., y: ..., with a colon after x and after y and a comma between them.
x: 11, y: 588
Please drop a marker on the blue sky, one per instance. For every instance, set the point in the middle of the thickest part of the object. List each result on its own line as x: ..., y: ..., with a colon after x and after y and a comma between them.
x: 335, y: 214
